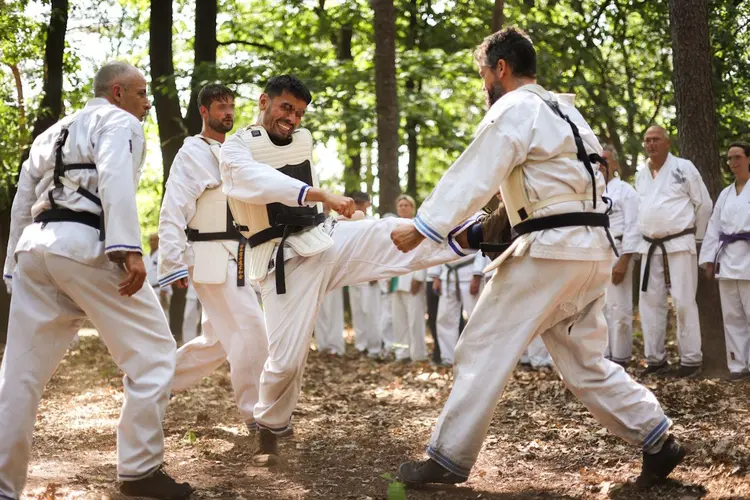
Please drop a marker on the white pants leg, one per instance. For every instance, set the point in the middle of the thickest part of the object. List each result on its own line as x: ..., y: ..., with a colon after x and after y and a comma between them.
x: 191, y: 319
x: 362, y: 251
x: 417, y: 305
x: 735, y: 308
x: 50, y: 295
x: 448, y: 320
x: 358, y: 302
x: 237, y: 321
x: 386, y: 321
x: 400, y: 314
x: 198, y: 358
x: 570, y: 318
x: 538, y: 354
x: 374, y: 337
x: 619, y: 313
x: 329, y: 328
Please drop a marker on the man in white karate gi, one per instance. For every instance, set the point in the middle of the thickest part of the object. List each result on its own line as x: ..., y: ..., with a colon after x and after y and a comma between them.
x: 297, y: 253
x: 459, y: 285
x: 199, y: 240
x: 673, y: 210
x: 623, y: 224
x: 191, y: 316
x: 551, y: 280
x: 329, y: 328
x: 75, y: 252
x: 725, y: 254
x: 152, y: 273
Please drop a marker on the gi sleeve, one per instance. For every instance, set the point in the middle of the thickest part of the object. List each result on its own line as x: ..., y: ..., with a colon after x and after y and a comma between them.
x: 701, y: 201
x: 20, y: 215
x: 177, y: 209
x: 253, y: 182
x: 475, y: 177
x: 710, y: 245
x: 434, y: 272
x: 631, y: 237
x: 117, y: 153
x: 480, y: 262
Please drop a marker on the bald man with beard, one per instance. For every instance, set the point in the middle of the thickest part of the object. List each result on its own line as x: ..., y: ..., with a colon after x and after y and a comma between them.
x: 673, y: 212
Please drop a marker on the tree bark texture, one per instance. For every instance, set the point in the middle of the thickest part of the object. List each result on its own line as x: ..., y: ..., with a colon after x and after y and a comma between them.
x: 353, y: 157
x: 386, y: 95
x: 204, y: 66
x: 497, y: 16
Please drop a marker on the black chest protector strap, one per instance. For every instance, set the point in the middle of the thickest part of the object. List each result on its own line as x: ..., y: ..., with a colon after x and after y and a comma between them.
x: 231, y: 233
x: 59, y: 214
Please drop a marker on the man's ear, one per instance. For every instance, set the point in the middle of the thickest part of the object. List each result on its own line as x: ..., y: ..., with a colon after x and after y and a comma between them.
x: 263, y: 102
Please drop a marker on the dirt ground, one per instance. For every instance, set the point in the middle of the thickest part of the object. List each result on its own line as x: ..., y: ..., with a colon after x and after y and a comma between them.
x: 358, y: 419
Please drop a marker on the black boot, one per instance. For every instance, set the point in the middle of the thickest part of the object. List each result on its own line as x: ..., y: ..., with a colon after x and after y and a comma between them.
x: 658, y: 466
x: 158, y: 485
x: 266, y: 452
x: 428, y: 471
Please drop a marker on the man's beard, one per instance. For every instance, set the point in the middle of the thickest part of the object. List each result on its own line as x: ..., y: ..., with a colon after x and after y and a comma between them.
x: 219, y: 126
x: 494, y: 93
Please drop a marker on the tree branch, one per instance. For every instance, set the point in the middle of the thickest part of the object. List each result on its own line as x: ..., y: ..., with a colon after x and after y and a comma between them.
x: 245, y: 42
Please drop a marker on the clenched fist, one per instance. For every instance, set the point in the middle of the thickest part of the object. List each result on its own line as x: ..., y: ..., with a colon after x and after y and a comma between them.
x: 406, y: 237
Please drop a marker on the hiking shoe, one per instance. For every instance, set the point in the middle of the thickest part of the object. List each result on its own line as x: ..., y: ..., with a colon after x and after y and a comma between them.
x: 657, y: 467
x: 425, y: 472
x: 656, y: 369
x: 737, y: 376
x: 266, y: 453
x: 689, y: 371
x: 158, y: 485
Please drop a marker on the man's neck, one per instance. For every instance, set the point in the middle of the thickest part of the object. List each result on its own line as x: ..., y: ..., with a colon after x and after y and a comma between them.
x: 656, y: 164
x: 518, y: 82
x: 213, y: 134
x: 740, y: 182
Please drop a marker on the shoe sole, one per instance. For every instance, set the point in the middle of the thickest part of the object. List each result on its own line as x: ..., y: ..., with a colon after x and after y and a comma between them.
x: 265, y: 460
x: 414, y: 484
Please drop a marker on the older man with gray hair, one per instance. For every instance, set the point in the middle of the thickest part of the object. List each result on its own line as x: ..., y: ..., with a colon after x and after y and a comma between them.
x: 75, y: 252
x: 674, y: 209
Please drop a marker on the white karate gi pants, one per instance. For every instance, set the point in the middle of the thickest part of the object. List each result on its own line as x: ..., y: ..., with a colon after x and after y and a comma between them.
x: 386, y: 321
x: 362, y: 251
x: 618, y: 310
x: 536, y: 353
x: 450, y: 308
x: 234, y: 330
x: 364, y: 300
x: 191, y: 319
x: 735, y: 307
x: 409, y: 327
x: 683, y: 271
x: 51, y: 295
x: 329, y: 328
x: 569, y: 317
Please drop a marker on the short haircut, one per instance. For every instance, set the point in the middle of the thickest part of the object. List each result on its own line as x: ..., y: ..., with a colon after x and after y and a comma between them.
x: 290, y: 83
x: 512, y: 45
x: 108, y: 74
x: 611, y: 149
x: 407, y: 198
x: 359, y: 197
x: 659, y: 127
x: 214, y: 92
x: 740, y: 144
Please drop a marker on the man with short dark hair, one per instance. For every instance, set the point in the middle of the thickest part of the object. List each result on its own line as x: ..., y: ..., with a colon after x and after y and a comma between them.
x: 550, y: 281
x: 199, y: 241
x: 75, y: 252
x: 296, y: 253
x: 724, y: 254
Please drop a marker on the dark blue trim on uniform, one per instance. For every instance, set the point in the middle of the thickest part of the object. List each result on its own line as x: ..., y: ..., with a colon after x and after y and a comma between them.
x: 447, y: 463
x: 655, y: 434
x: 426, y: 230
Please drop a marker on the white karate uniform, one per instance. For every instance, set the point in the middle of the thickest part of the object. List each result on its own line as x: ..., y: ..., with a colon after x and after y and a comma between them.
x: 386, y: 315
x: 408, y: 312
x: 329, y: 328
x: 152, y: 276
x: 676, y: 200
x: 364, y: 299
x: 455, y: 299
x: 233, y: 314
x: 618, y: 309
x: 191, y: 318
x: 731, y: 216
x: 362, y: 251
x: 62, y: 274
x: 553, y: 285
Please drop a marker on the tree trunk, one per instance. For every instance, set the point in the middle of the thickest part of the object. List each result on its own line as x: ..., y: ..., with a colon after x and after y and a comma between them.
x: 497, y: 16
x: 50, y: 108
x: 412, y: 121
x: 168, y: 113
x: 353, y: 157
x: 19, y: 95
x: 386, y: 96
x: 204, y: 67
x: 696, y: 125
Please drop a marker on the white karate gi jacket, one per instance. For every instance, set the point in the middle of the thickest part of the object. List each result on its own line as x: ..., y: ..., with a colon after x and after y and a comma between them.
x: 112, y: 139
x: 623, y: 218
x: 677, y: 199
x: 731, y: 215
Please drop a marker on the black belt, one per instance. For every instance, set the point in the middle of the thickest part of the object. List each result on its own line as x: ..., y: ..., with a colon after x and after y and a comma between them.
x: 659, y: 242
x: 618, y: 238
x: 67, y: 215
x: 285, y: 226
x: 575, y: 219
x: 195, y: 235
x: 453, y: 270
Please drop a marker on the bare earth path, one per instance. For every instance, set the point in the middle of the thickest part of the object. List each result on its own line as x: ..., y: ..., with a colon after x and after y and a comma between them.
x: 357, y: 420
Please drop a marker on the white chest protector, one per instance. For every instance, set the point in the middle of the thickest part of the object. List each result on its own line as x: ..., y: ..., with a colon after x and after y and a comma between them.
x: 266, y: 226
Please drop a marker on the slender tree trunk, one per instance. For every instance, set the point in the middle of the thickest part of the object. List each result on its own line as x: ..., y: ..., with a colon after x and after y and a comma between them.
x: 204, y: 67
x: 412, y: 121
x: 696, y: 124
x: 386, y: 96
x: 353, y: 157
x: 497, y: 16
x: 21, y: 108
